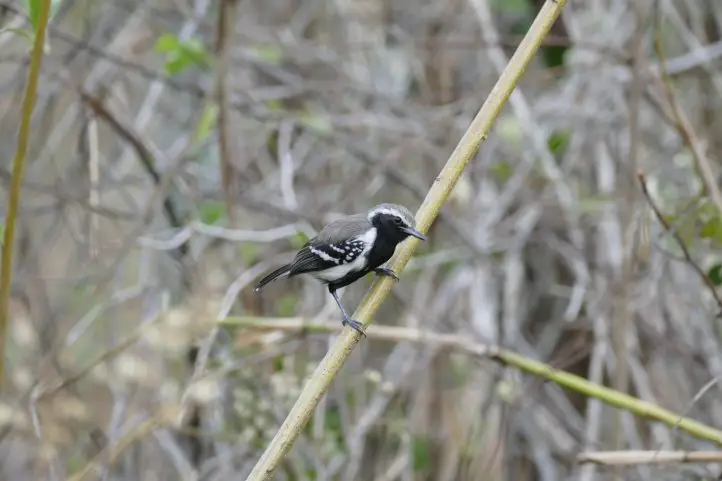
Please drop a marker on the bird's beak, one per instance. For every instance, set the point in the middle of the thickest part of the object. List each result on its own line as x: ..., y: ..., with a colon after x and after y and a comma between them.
x: 414, y: 232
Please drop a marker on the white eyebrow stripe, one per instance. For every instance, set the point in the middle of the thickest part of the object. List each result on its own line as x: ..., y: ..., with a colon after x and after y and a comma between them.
x: 385, y: 210
x: 388, y: 211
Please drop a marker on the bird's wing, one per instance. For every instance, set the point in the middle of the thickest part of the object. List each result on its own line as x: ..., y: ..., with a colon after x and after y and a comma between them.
x: 330, y: 248
x: 308, y: 260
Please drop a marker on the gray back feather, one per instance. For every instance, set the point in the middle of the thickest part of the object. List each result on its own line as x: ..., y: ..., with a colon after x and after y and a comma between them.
x: 343, y: 228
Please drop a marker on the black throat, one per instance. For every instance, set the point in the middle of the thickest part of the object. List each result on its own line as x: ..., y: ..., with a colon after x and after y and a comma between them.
x: 388, y: 236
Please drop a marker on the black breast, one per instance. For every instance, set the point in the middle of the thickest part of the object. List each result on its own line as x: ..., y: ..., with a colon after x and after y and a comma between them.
x: 381, y: 252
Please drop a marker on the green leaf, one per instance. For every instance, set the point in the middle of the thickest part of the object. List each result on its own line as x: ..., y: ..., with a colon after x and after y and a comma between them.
x: 502, y: 171
x: 34, y: 7
x: 712, y: 229
x: 686, y: 227
x: 211, y: 211
x: 179, y: 55
x: 207, y: 122
x: 711, y: 220
x: 420, y: 454
x: 554, y: 55
x: 715, y: 274
x: 167, y: 43
x: 34, y: 13
x: 278, y: 363
x: 175, y: 64
x: 194, y: 50
x: 333, y: 421
x: 558, y: 142
x: 298, y: 240
x: 272, y: 143
x: 707, y: 210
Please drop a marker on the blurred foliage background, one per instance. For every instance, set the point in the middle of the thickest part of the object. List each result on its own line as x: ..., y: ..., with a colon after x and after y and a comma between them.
x: 182, y: 148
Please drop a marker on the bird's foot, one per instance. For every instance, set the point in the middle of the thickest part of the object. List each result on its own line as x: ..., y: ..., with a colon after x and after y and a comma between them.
x: 354, y: 324
x: 385, y: 271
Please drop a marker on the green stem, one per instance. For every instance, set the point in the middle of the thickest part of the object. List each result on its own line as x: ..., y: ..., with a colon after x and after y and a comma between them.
x: 17, y: 178
x: 458, y: 343
x: 609, y: 396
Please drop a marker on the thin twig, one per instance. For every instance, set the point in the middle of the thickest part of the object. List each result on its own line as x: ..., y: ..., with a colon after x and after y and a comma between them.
x: 218, y: 232
x: 147, y: 155
x: 701, y: 162
x: 226, y: 28
x: 626, y: 458
x: 688, y: 257
x: 93, y: 161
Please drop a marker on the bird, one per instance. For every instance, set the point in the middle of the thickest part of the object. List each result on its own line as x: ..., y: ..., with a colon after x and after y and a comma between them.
x: 348, y: 248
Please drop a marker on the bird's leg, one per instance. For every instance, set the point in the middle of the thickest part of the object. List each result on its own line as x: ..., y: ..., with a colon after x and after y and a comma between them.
x: 385, y: 271
x: 347, y: 321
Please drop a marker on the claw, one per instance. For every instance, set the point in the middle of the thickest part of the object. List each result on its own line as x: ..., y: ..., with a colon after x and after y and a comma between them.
x: 385, y: 271
x: 354, y: 324
x: 347, y: 321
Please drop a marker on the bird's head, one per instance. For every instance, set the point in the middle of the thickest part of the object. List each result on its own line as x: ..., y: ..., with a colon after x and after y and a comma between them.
x: 394, y: 220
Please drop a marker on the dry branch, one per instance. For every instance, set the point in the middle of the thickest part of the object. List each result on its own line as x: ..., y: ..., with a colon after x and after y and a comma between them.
x: 627, y: 458
x: 685, y: 251
x: 462, y: 344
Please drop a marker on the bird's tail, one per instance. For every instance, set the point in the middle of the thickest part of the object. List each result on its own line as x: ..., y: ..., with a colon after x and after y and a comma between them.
x: 272, y: 276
